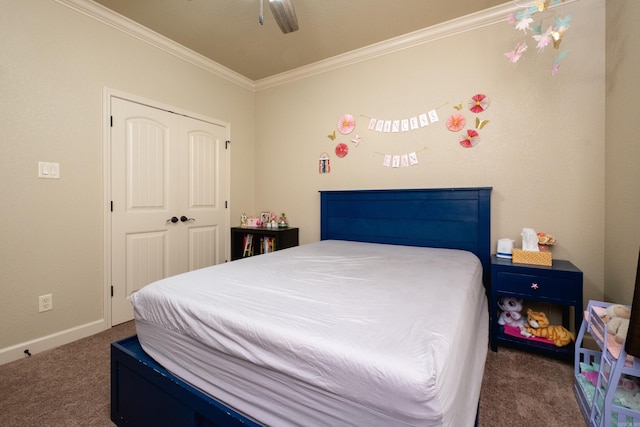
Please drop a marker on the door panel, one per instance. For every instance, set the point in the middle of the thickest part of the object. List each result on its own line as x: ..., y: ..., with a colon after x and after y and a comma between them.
x: 203, y: 150
x: 145, y: 259
x: 145, y: 158
x: 163, y: 165
x: 203, y: 247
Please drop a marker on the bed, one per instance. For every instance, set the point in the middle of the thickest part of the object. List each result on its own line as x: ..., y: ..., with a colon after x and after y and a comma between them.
x: 384, y: 321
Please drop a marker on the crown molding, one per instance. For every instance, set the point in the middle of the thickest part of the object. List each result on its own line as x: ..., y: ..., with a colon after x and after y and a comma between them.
x: 450, y: 28
x: 127, y: 26
x: 463, y: 24
x: 471, y: 22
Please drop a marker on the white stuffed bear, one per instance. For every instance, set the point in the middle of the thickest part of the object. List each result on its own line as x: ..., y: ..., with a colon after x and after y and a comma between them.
x: 617, y: 317
x: 510, y: 315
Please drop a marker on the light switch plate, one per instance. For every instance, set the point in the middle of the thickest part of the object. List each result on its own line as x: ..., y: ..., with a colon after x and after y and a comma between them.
x: 48, y: 170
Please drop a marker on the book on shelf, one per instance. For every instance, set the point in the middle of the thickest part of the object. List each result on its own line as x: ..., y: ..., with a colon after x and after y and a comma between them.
x: 267, y: 244
x: 248, y: 245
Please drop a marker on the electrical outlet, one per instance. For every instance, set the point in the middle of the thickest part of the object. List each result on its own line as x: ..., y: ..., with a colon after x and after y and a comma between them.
x: 45, y: 303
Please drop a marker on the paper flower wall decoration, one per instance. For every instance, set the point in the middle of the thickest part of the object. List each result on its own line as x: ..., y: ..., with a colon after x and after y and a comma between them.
x: 478, y: 103
x: 346, y: 124
x: 456, y: 122
x: 470, y: 139
x: 342, y: 150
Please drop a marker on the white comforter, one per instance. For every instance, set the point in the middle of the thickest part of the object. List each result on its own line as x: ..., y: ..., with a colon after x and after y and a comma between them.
x: 396, y: 335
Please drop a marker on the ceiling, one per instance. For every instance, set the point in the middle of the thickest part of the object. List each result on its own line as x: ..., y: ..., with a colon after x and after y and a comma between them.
x: 229, y: 33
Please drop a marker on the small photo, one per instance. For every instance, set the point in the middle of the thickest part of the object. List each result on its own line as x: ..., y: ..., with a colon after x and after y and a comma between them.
x: 265, y: 217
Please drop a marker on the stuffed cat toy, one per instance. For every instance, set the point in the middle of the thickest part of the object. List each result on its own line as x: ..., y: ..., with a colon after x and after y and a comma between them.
x: 538, y: 325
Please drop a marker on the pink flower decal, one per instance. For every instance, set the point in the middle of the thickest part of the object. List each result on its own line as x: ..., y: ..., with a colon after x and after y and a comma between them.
x: 478, y: 103
x: 342, y: 150
x: 470, y: 139
x: 456, y: 122
x: 346, y: 124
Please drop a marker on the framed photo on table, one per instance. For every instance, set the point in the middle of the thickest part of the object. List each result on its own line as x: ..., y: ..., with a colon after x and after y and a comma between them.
x: 265, y: 217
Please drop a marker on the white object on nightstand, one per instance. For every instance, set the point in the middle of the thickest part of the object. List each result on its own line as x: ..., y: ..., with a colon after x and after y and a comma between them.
x: 505, y: 248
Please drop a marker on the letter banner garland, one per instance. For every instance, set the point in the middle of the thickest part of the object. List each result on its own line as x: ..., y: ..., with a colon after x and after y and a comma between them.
x: 404, y: 125
x: 400, y: 160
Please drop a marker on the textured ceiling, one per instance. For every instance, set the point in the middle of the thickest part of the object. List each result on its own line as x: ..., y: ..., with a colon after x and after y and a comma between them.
x: 229, y: 33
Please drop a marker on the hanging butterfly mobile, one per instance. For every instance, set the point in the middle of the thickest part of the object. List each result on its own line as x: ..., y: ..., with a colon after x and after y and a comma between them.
x: 524, y: 19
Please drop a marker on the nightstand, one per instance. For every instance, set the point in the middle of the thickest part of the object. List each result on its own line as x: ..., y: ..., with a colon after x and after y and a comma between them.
x: 559, y: 284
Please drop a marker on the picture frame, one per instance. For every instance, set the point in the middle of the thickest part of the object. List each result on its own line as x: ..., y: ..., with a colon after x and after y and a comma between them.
x: 265, y: 217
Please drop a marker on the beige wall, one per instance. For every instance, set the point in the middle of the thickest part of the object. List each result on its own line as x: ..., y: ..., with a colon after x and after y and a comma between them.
x: 622, y: 232
x: 55, y: 64
x: 542, y: 151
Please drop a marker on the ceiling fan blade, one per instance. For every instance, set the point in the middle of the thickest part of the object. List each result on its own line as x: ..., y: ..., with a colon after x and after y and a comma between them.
x: 284, y: 15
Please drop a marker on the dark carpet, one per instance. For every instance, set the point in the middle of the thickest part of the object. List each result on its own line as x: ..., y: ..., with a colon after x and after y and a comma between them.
x: 70, y: 385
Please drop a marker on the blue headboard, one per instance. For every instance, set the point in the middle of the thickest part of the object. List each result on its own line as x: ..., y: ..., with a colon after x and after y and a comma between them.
x: 456, y: 218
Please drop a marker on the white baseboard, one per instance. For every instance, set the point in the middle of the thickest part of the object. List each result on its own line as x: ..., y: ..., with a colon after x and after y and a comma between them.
x: 16, y: 352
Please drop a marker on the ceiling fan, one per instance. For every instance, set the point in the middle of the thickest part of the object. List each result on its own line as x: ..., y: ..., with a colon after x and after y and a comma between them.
x: 284, y: 14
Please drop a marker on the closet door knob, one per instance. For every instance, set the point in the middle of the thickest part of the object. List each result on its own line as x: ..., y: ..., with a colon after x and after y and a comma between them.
x: 173, y: 219
x: 185, y: 219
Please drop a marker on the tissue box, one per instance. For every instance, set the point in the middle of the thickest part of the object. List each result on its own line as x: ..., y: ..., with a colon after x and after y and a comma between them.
x: 531, y: 257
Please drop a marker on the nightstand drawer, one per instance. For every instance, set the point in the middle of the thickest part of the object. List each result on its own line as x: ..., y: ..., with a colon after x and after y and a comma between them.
x: 537, y: 286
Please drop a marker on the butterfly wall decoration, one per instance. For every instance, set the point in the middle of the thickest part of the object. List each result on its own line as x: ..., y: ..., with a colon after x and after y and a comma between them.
x: 542, y: 5
x: 543, y: 39
x: 556, y: 62
x: 515, y: 54
x: 480, y: 123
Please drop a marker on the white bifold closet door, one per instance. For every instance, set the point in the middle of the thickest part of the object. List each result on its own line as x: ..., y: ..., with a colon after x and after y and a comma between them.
x: 169, y: 184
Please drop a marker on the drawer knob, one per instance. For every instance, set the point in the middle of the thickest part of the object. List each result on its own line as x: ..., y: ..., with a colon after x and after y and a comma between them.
x: 534, y: 286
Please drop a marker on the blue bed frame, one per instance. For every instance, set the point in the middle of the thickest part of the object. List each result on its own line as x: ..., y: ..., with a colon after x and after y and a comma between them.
x: 143, y: 393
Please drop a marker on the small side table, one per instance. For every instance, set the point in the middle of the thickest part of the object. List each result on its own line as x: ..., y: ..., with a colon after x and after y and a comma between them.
x: 559, y: 284
x: 282, y: 237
